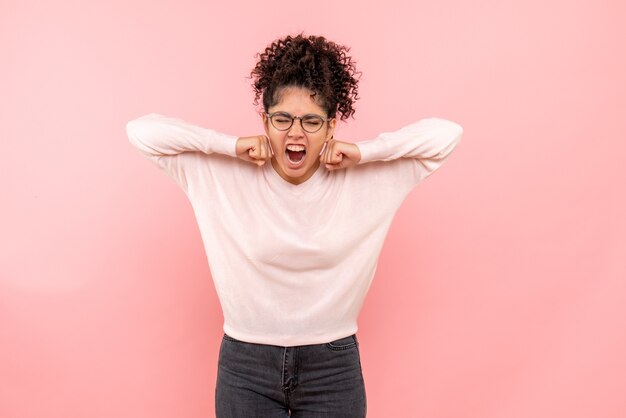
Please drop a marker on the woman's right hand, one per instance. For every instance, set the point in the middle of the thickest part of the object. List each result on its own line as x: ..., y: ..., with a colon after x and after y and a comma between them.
x: 256, y: 149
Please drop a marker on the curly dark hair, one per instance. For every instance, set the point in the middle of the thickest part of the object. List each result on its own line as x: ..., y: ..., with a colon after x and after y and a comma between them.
x: 312, y: 62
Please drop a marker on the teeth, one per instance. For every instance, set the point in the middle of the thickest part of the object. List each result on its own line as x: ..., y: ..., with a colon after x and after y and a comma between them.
x: 293, y: 147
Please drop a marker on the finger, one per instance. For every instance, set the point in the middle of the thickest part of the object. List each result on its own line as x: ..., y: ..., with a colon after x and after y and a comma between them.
x: 327, y: 152
x: 269, y: 144
x: 263, y: 149
x: 329, y: 149
x: 257, y: 149
x: 334, y: 166
x: 259, y: 158
x: 337, y: 156
x: 254, y: 156
x: 322, y: 150
x: 267, y: 147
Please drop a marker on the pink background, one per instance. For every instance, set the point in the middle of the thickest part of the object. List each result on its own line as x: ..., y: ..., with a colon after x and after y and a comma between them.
x: 501, y: 289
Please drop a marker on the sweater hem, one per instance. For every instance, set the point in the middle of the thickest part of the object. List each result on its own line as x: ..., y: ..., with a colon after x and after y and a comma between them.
x: 289, y: 340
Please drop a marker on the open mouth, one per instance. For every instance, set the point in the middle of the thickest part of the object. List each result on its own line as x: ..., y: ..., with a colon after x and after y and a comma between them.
x: 295, y: 154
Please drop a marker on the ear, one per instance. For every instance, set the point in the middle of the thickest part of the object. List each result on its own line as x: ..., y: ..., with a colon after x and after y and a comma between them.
x: 266, y: 123
x: 331, y: 129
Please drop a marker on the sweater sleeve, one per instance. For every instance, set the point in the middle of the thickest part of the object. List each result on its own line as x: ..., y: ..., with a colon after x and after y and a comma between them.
x: 157, y: 135
x: 429, y: 142
x: 171, y: 142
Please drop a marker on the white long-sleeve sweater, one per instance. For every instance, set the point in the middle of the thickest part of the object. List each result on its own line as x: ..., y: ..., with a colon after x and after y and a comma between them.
x: 292, y: 264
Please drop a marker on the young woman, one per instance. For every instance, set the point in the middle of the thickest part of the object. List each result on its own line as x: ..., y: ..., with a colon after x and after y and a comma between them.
x: 293, y: 245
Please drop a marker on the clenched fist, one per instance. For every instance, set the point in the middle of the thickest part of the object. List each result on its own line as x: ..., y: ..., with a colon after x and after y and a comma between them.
x: 255, y: 149
x: 338, y: 154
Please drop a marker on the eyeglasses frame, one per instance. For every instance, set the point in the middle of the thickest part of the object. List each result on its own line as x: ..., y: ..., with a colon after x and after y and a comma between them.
x: 293, y: 118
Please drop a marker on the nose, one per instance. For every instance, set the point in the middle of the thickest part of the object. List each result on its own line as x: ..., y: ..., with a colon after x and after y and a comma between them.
x: 296, y: 128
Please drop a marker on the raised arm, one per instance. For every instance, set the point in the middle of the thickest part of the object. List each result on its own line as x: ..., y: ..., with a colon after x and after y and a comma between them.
x: 429, y: 141
x: 173, y: 144
x: 156, y: 135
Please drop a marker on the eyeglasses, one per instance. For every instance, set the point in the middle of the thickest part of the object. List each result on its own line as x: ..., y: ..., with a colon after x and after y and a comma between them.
x: 283, y: 121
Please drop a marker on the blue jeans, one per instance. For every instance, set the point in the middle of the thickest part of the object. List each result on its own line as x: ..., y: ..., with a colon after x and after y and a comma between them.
x: 306, y: 381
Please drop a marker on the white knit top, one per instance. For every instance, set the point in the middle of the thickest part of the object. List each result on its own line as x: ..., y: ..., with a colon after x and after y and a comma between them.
x: 292, y: 264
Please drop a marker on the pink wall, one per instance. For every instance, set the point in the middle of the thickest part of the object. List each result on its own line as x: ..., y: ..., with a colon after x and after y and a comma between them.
x: 501, y: 288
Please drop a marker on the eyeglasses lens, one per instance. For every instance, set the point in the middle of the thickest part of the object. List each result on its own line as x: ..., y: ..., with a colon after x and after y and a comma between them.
x: 310, y: 124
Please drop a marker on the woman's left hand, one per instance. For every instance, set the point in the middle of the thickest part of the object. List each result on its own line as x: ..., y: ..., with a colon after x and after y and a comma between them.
x: 338, y: 154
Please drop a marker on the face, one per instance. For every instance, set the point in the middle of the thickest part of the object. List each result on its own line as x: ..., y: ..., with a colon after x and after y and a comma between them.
x: 297, y: 102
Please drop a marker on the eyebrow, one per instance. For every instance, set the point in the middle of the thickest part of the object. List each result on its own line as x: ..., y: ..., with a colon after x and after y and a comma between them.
x: 289, y: 114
